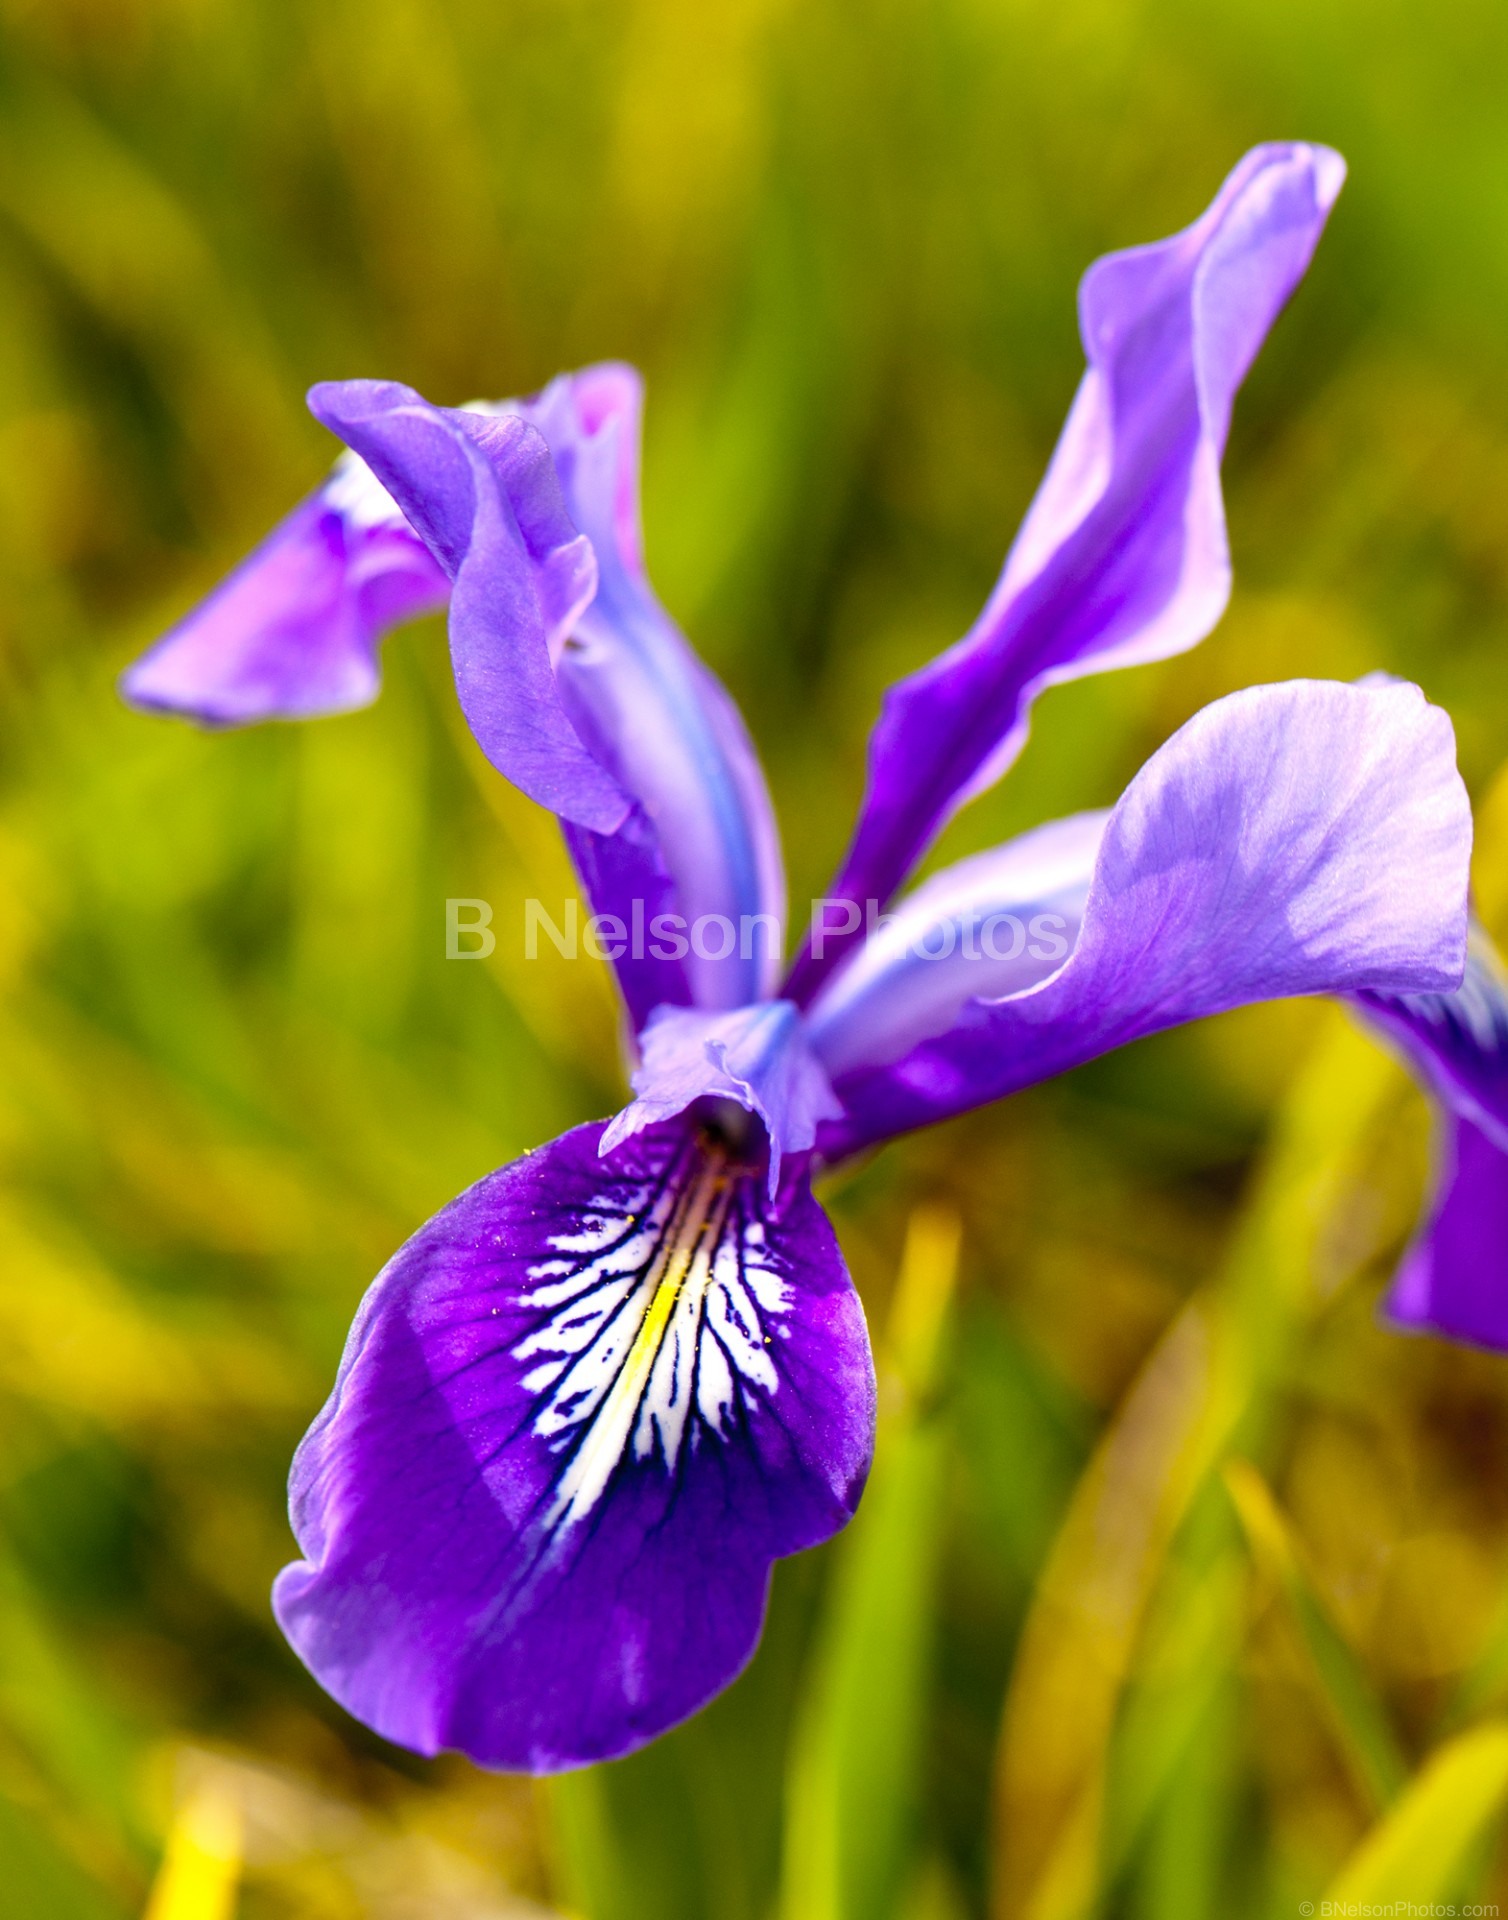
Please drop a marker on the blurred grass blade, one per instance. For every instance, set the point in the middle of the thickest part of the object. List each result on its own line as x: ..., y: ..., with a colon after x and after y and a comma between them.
x: 202, y: 1866
x: 851, y: 1786
x: 73, y: 1752
x: 919, y: 1311
x: 130, y: 247
x: 1169, y: 1786
x: 41, y: 1876
x: 1361, y: 1726
x: 1183, y: 1868
x: 1207, y: 1380
x: 932, y: 1895
x: 1076, y: 1647
x: 587, y: 1862
x: 1485, y: 1682
x: 1418, y: 1850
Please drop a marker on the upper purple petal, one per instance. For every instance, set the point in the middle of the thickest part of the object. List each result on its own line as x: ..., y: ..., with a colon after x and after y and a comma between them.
x: 624, y: 875
x: 579, y: 1415
x: 483, y: 493
x: 1122, y: 557
x: 756, y: 1056
x: 654, y: 713
x: 614, y: 723
x: 293, y: 632
x: 1293, y: 839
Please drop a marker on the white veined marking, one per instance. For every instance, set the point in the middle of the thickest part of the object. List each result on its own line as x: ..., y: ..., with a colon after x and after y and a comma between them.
x: 664, y: 1324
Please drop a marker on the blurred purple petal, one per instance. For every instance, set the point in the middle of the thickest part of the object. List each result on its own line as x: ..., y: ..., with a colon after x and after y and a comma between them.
x: 1454, y: 1278
x: 1456, y: 1043
x: 1294, y: 839
x: 990, y: 925
x: 293, y: 632
x: 1122, y: 557
x: 757, y: 1056
x: 579, y: 1415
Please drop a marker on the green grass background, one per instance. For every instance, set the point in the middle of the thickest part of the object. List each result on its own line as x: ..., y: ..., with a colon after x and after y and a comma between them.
x: 1181, y: 1590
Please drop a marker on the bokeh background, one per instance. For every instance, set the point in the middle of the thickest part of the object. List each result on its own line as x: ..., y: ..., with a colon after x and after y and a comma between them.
x: 1182, y: 1586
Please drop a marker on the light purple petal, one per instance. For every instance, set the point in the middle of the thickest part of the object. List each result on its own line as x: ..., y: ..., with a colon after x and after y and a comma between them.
x: 653, y: 712
x: 483, y: 493
x: 1295, y: 839
x: 293, y: 632
x: 1122, y: 557
x: 1454, y: 1278
x: 756, y: 1056
x: 985, y: 927
x: 621, y: 707
x: 579, y: 1415
x: 591, y: 422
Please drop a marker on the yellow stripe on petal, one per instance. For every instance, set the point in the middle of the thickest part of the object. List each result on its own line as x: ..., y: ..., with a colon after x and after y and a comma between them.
x: 684, y: 1256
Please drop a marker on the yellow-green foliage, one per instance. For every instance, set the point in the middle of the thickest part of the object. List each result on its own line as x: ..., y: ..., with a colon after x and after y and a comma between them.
x: 1180, y: 1592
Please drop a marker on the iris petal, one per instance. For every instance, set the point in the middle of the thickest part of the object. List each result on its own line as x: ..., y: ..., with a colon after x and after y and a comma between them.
x: 1456, y: 1042
x: 654, y: 713
x: 587, y: 696
x: 483, y: 493
x: 757, y: 1056
x: 1122, y: 557
x: 580, y: 1414
x: 1454, y: 1278
x: 994, y: 924
x: 1294, y: 839
x: 626, y: 732
x: 293, y: 632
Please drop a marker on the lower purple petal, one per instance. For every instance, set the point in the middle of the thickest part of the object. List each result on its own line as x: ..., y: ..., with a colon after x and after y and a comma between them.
x: 579, y: 1415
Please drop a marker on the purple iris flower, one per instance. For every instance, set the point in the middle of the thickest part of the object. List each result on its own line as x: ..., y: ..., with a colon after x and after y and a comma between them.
x: 589, y: 1404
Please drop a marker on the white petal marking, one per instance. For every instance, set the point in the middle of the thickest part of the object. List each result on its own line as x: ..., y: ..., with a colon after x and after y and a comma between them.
x: 664, y: 1320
